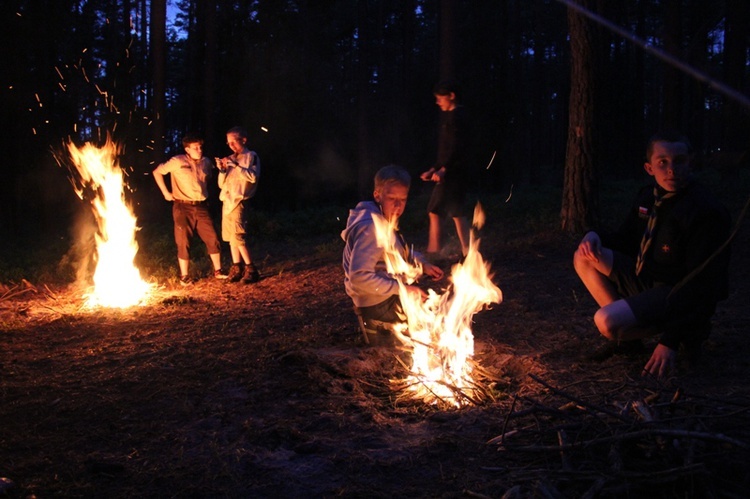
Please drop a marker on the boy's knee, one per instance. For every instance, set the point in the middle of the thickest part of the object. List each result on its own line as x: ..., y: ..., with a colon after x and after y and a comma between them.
x: 604, y: 324
x: 580, y: 263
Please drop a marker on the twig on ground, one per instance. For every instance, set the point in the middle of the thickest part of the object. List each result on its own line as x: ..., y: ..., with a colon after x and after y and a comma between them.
x: 638, y: 434
x: 587, y: 406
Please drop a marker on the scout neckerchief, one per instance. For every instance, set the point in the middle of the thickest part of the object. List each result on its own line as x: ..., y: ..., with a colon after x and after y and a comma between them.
x: 648, y: 235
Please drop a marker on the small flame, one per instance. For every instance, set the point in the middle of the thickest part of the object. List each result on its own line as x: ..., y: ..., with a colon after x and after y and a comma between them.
x: 117, y: 281
x: 439, y: 328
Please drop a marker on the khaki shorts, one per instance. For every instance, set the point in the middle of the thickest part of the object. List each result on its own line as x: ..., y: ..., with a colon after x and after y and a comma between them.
x: 233, y: 225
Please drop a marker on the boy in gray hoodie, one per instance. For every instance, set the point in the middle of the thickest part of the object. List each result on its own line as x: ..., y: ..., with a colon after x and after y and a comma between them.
x: 374, y: 291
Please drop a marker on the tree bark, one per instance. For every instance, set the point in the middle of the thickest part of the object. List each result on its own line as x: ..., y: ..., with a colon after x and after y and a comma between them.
x: 580, y: 200
x: 734, y: 141
x: 159, y: 76
x: 210, y: 71
x: 447, y: 40
x: 672, y: 91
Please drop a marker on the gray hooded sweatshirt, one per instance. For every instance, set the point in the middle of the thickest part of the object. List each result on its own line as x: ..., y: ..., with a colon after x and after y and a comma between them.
x: 365, y: 277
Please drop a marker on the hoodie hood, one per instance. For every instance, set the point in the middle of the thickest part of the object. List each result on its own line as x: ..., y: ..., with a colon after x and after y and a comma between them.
x: 362, y: 213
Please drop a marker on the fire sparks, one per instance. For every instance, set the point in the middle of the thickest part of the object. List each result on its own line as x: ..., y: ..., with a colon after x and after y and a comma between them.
x: 117, y: 282
x: 439, y: 329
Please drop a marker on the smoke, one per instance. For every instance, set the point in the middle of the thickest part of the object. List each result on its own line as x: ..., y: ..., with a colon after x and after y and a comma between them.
x: 329, y: 174
x: 80, y: 260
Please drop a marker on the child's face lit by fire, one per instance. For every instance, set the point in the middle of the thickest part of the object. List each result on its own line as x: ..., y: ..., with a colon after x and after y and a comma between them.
x: 392, y: 199
x: 194, y: 150
x: 235, y: 142
x: 669, y: 164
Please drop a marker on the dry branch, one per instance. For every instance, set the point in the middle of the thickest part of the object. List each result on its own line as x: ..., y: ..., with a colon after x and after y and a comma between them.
x: 638, y: 434
x: 589, y: 407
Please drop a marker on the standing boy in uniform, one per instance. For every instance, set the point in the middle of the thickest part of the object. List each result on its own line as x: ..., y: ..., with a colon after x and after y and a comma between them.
x: 238, y: 180
x: 660, y: 273
x: 190, y: 173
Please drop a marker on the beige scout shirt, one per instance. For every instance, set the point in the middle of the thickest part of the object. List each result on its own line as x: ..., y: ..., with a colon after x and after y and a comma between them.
x: 189, y: 177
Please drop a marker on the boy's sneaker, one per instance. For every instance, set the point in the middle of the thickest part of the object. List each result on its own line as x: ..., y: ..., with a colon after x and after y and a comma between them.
x: 234, y: 273
x: 250, y: 275
x: 186, y: 280
x: 220, y: 274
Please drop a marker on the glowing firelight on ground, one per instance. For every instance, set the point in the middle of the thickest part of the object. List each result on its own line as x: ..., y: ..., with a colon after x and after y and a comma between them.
x: 439, y: 329
x: 117, y: 281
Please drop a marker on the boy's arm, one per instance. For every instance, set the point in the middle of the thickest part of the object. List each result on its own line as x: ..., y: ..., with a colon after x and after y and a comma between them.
x: 253, y: 169
x: 250, y: 170
x: 363, y: 270
x: 432, y: 271
x: 159, y: 179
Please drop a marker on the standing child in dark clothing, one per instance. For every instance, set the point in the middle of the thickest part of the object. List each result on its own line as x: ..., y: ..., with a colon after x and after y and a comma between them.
x: 449, y: 173
x: 374, y: 291
x: 656, y: 275
x: 190, y: 173
x: 238, y: 180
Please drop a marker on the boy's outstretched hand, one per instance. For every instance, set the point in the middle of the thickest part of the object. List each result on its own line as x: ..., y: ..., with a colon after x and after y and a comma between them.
x: 661, y: 363
x: 432, y: 271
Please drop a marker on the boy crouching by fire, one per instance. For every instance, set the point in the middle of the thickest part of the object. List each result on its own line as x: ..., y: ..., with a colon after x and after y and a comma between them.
x: 372, y: 289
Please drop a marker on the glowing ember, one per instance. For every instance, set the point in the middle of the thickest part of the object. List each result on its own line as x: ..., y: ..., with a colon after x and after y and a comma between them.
x: 440, y: 337
x: 117, y: 282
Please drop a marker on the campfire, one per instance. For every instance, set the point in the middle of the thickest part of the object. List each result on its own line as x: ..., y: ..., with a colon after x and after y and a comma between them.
x: 439, y: 329
x: 117, y: 281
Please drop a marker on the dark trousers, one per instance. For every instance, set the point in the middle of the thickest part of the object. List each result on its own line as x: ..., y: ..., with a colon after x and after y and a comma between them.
x: 190, y: 219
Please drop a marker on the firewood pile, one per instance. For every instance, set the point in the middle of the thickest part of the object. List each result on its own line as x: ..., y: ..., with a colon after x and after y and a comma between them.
x: 479, y: 391
x: 666, y: 443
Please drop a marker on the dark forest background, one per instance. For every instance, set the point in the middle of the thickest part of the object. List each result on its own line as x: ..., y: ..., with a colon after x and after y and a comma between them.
x: 330, y: 91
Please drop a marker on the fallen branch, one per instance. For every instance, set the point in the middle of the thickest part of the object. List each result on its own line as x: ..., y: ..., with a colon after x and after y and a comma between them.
x: 589, y: 407
x: 637, y: 434
x: 14, y: 291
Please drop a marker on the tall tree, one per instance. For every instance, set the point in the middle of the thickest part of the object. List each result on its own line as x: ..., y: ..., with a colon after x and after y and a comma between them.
x: 735, y: 119
x: 672, y: 96
x: 158, y: 75
x: 447, y: 39
x: 210, y: 72
x: 580, y: 201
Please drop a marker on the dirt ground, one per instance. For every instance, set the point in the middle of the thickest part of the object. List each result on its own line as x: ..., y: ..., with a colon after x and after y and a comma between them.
x: 267, y: 390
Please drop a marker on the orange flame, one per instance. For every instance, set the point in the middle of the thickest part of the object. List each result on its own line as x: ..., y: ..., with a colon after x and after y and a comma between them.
x: 439, y: 328
x: 117, y: 281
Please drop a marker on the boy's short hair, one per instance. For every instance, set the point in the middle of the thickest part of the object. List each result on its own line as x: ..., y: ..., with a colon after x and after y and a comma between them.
x: 446, y: 87
x: 392, y: 174
x: 239, y: 131
x: 191, y: 138
x: 667, y: 136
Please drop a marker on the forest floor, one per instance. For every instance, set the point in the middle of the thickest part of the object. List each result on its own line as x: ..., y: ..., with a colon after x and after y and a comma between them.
x: 267, y: 390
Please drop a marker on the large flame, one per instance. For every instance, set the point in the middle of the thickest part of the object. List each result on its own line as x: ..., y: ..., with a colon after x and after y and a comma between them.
x: 439, y: 329
x: 117, y: 281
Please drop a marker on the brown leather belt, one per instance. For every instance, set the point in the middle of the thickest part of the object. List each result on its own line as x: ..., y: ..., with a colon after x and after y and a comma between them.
x: 192, y: 203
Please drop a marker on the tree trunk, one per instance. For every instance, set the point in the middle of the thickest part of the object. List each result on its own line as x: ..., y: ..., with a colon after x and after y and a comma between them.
x: 447, y: 40
x: 672, y: 95
x: 580, y: 201
x: 159, y: 76
x: 210, y: 70
x: 364, y: 163
x: 734, y: 137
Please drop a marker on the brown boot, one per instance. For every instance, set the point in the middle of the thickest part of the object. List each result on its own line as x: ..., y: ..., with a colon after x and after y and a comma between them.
x: 235, y: 274
x: 250, y: 275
